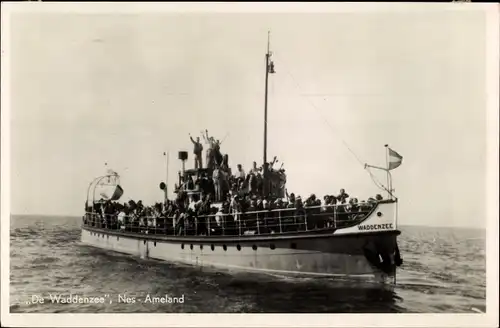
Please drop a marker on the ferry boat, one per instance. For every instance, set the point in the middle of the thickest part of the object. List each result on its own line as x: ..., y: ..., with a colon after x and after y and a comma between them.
x: 338, y: 239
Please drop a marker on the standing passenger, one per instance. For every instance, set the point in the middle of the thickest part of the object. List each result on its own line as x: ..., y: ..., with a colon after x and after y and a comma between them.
x: 210, y: 150
x: 198, y: 148
x: 255, y: 170
x: 342, y: 196
x: 217, y: 183
x: 121, y: 219
x: 240, y: 175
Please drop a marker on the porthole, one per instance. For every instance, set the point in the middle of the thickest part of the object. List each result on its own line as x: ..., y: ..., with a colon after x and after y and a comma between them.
x: 238, y: 247
x: 201, y: 246
x: 254, y: 247
x: 272, y: 246
x: 154, y: 243
x: 107, y: 236
x: 182, y: 246
x: 293, y: 246
x: 379, y: 214
x: 144, y: 242
x: 212, y: 247
x: 191, y: 246
x: 224, y: 247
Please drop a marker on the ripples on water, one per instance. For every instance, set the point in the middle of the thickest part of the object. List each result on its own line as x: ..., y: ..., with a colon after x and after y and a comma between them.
x: 443, y: 271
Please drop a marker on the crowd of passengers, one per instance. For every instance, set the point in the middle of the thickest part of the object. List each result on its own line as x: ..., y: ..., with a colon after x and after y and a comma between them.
x: 237, y: 215
x: 244, y: 209
x: 219, y: 179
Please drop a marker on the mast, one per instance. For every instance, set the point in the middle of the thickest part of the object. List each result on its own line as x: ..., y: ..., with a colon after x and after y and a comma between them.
x: 269, y: 70
x: 389, y: 191
x: 265, y: 99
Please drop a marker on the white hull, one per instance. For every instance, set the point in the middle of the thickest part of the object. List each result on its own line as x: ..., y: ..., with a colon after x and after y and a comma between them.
x: 337, y: 254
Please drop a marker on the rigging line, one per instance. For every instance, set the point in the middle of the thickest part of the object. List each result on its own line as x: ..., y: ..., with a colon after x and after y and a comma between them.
x: 373, y: 178
x: 324, y: 119
x: 376, y: 181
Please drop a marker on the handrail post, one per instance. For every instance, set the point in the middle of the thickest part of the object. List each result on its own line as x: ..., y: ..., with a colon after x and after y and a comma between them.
x: 196, y: 226
x: 335, y: 217
x: 305, y: 218
x: 279, y: 221
x: 258, y: 226
x: 207, y: 220
x: 223, y: 224
x: 239, y: 225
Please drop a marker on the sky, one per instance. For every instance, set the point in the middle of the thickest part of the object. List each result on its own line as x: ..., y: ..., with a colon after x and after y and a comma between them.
x: 89, y: 89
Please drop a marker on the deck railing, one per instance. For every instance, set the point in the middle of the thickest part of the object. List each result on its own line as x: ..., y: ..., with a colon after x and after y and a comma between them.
x: 265, y: 222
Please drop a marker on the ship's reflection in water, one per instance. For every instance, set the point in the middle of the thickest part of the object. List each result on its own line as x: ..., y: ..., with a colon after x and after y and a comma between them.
x: 211, y: 290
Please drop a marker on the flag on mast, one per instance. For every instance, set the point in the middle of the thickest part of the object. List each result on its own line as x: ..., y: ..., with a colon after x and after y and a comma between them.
x: 395, y: 159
